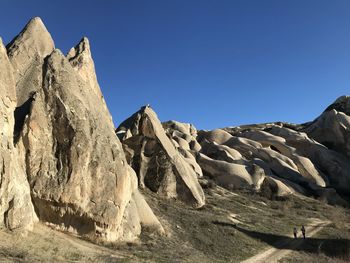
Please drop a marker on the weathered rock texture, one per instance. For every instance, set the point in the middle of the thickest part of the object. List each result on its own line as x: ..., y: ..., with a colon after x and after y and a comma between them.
x: 71, y: 166
x: 292, y: 162
x: 62, y: 163
x: 26, y: 53
x: 159, y: 165
x: 332, y: 128
x: 16, y: 209
x: 276, y: 158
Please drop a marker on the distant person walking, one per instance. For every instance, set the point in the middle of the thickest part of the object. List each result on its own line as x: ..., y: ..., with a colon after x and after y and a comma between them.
x: 303, y: 231
x: 295, y: 232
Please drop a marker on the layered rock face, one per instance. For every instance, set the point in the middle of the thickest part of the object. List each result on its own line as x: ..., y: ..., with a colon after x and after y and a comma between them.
x: 158, y: 163
x: 74, y: 169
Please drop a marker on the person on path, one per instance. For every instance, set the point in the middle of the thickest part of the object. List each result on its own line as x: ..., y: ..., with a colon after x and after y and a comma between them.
x: 303, y: 231
x: 295, y: 232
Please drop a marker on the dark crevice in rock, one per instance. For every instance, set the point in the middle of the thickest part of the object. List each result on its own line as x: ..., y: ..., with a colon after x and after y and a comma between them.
x: 6, y: 219
x: 20, y: 115
x: 2, y: 173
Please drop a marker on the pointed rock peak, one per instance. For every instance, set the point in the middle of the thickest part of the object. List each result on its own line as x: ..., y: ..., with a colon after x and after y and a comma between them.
x: 143, y: 108
x: 342, y: 104
x: 33, y: 40
x: 2, y: 48
x: 56, y: 54
x: 133, y: 121
x: 82, y: 48
x: 35, y: 23
x: 81, y: 60
x: 57, y: 60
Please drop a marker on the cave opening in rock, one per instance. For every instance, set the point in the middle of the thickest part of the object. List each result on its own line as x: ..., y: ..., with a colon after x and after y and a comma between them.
x: 20, y: 114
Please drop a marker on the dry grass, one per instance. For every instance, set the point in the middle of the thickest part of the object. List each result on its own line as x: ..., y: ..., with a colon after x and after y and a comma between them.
x: 204, y: 235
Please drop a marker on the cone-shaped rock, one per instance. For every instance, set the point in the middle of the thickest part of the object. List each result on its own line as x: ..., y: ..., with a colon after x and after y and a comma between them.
x: 26, y: 53
x: 72, y: 162
x: 76, y: 166
x: 159, y: 165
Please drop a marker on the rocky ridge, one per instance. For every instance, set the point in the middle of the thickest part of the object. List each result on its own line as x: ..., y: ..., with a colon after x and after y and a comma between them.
x: 274, y: 158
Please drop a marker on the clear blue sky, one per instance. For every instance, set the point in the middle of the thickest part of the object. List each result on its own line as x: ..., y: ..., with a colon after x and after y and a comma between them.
x: 212, y: 63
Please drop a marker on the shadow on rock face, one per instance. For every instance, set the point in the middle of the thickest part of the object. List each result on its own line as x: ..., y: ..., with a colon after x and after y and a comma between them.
x: 20, y: 114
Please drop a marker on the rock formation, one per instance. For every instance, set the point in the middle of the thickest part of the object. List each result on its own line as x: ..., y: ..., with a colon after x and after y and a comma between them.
x: 72, y: 162
x: 159, y: 165
x: 279, y: 158
x: 27, y: 52
x: 61, y: 161
x: 332, y: 128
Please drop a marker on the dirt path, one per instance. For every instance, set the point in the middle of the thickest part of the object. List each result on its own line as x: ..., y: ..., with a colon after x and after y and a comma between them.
x: 275, y: 254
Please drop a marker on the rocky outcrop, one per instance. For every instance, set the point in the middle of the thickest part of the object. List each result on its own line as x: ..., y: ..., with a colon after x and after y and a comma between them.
x: 158, y: 164
x: 27, y: 52
x: 332, y: 166
x: 277, y: 158
x: 183, y: 136
x: 79, y: 172
x: 81, y: 60
x: 71, y: 167
x: 332, y: 128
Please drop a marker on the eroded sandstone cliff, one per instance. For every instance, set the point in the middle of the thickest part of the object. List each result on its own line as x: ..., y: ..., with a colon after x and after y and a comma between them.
x: 60, y: 152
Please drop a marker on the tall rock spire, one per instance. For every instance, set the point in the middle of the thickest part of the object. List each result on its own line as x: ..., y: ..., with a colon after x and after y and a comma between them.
x: 81, y: 60
x: 26, y: 53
